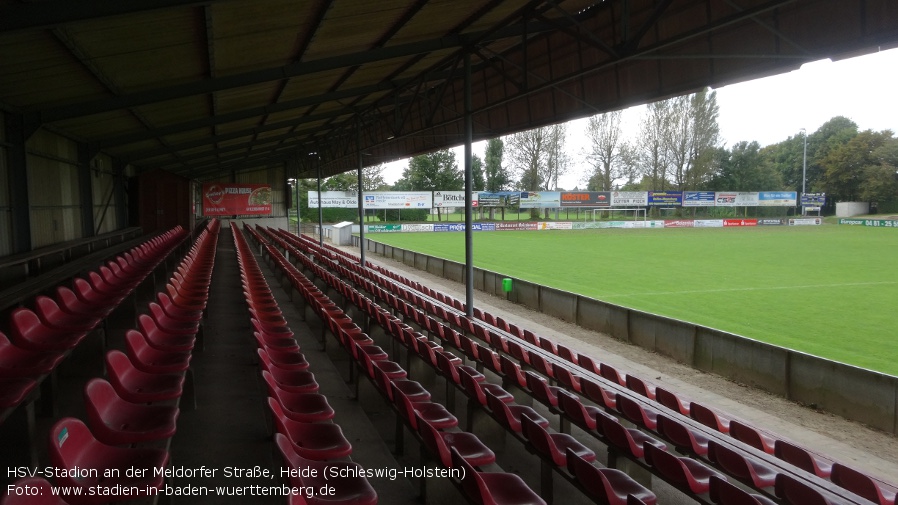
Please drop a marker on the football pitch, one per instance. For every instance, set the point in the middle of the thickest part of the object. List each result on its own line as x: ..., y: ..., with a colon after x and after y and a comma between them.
x: 831, y: 291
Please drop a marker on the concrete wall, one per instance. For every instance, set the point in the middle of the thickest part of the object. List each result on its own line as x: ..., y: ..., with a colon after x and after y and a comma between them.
x: 849, y: 209
x: 851, y: 392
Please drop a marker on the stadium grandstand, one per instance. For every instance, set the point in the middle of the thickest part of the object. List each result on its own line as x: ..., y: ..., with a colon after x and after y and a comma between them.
x: 165, y: 338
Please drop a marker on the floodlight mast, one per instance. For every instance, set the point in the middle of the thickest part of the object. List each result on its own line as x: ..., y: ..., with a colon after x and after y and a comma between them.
x: 804, y: 167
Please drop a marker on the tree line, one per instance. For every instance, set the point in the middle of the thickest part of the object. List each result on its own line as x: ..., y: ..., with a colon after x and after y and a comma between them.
x: 678, y: 147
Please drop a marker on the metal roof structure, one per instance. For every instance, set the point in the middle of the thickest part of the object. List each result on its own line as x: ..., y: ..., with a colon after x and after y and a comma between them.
x: 208, y: 88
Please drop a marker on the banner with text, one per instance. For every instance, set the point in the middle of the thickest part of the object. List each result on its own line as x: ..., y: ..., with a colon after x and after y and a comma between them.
x: 665, y: 198
x: 736, y: 199
x: 698, y: 199
x: 629, y: 198
x: 398, y: 200
x: 236, y: 199
x: 777, y: 198
x: 499, y: 199
x: 540, y: 200
x: 585, y: 198
x: 453, y: 199
x: 334, y: 199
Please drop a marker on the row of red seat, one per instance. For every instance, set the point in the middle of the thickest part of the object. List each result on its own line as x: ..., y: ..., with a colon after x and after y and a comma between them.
x: 41, y: 337
x: 304, y: 431
x: 432, y: 423
x: 850, y: 479
x: 131, y: 418
x: 606, y: 484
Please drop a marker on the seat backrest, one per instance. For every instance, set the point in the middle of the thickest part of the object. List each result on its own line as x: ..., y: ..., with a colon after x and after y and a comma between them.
x: 499, y: 409
x: 471, y: 386
x: 472, y: 483
x: 542, y: 365
x: 747, y: 434
x: 724, y: 493
x: 631, y: 409
x: 609, y: 372
x: 667, y: 464
x: 670, y: 400
x: 857, y: 482
x: 512, y: 371
x: 596, y: 392
x: 707, y: 417
x: 801, y: 458
x: 99, y: 396
x: 729, y: 460
x: 404, y: 406
x: 278, y: 416
x: 538, y: 387
x: 433, y: 441
x: 70, y: 441
x: 536, y: 435
x: 794, y: 492
x: 639, y: 386
x: 566, y: 354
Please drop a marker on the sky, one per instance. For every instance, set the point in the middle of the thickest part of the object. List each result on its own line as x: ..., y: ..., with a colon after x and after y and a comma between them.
x: 769, y: 110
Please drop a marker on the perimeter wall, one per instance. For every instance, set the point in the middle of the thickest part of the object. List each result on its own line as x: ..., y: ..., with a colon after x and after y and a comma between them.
x: 848, y: 391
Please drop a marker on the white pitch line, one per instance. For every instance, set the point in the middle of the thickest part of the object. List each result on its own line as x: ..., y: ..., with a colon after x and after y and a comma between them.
x: 728, y: 290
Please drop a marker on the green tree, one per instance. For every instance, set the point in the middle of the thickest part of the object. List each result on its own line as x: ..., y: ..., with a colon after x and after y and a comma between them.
x: 744, y: 168
x: 436, y: 171
x: 497, y: 178
x: 478, y: 183
x: 372, y: 180
x: 604, y: 153
x: 847, y: 167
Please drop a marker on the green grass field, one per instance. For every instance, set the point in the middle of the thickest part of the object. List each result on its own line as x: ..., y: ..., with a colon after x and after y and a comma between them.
x: 831, y: 290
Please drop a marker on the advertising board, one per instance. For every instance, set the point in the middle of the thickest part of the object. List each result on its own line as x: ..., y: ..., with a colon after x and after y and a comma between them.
x: 770, y: 222
x: 540, y: 199
x: 736, y: 199
x: 777, y: 198
x: 876, y: 223
x: 679, y: 223
x: 499, y: 199
x: 708, y: 223
x: 398, y: 200
x: 805, y: 221
x: 629, y: 198
x: 555, y: 225
x: 698, y: 199
x: 739, y: 222
x: 515, y: 226
x: 334, y: 199
x: 383, y: 228
x: 665, y: 198
x: 453, y: 199
x: 416, y: 227
x: 236, y: 199
x: 585, y: 198
x: 813, y: 199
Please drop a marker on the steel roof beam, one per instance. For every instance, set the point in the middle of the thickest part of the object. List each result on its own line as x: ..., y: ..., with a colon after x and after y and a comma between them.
x: 16, y: 16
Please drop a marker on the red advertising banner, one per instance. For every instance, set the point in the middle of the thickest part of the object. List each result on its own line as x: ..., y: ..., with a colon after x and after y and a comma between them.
x: 679, y: 223
x: 235, y: 199
x: 740, y: 222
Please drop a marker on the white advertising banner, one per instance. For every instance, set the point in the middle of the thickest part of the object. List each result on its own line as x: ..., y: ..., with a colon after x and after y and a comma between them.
x: 339, y: 199
x: 708, y: 223
x: 736, y: 199
x: 453, y: 199
x: 398, y: 200
x: 417, y: 227
x: 806, y: 221
x: 555, y: 225
x: 629, y: 198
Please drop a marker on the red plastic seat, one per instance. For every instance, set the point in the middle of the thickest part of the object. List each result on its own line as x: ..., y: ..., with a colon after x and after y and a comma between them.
x: 289, y: 360
x: 629, y: 440
x: 794, y: 492
x: 476, y: 390
x: 672, y: 401
x: 43, y: 496
x: 412, y: 389
x: 686, y: 474
x: 494, y: 488
x: 137, y: 386
x: 581, y: 415
x: 115, y: 421
x: 641, y: 416
x: 605, y: 485
x: 542, y: 365
x: 568, y: 379
x: 745, y: 433
x: 72, y: 445
x: 177, y: 311
x: 609, y: 372
x: 434, y: 413
x: 152, y: 360
x: 14, y: 390
x: 567, y: 354
x: 748, y: 470
x: 317, y: 441
x: 28, y: 332
x: 684, y: 438
x: 554, y: 446
x: 18, y: 362
x: 598, y: 394
x: 588, y: 363
x: 639, y: 386
x: 467, y: 444
x: 171, y: 324
x: 724, y: 493
x: 71, y: 303
x: 51, y: 314
x: 861, y: 485
x: 509, y: 414
x: 302, y: 407
x: 541, y: 390
x: 512, y: 373
x: 350, y: 488
x: 163, y: 340
x: 802, y: 458
x: 297, y: 381
x: 708, y: 417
